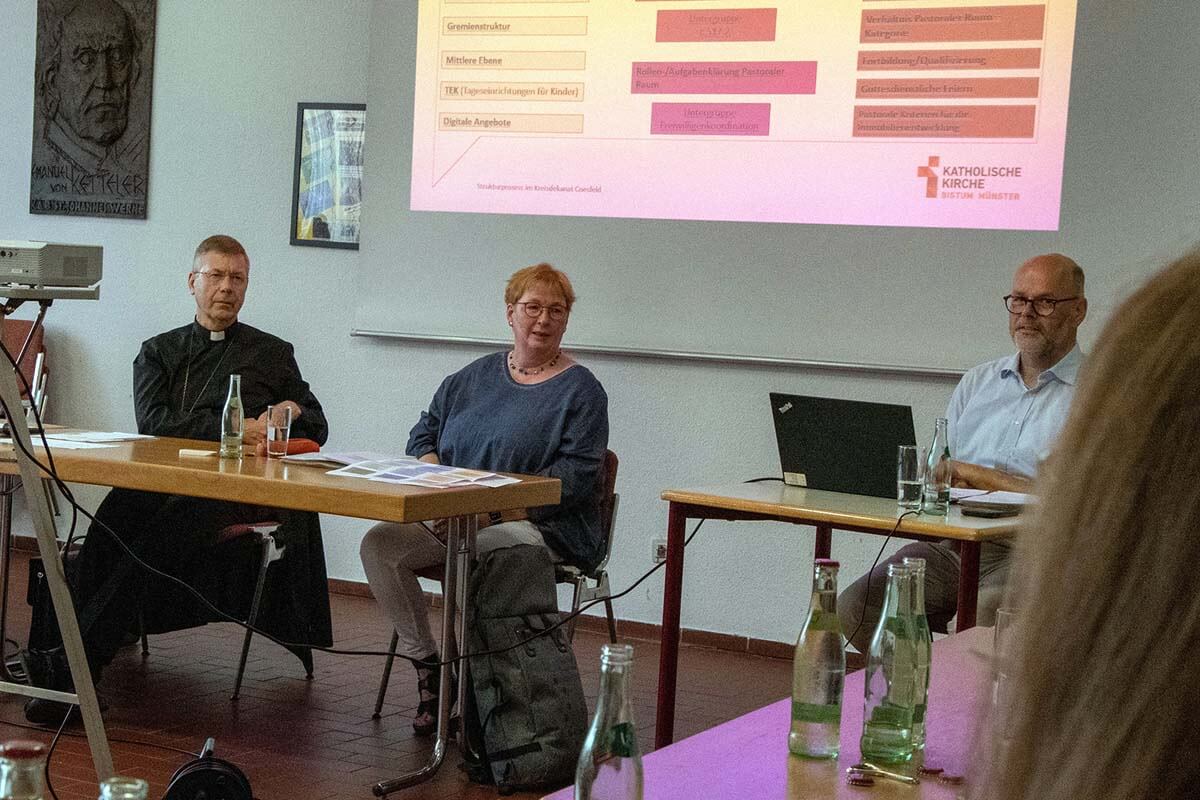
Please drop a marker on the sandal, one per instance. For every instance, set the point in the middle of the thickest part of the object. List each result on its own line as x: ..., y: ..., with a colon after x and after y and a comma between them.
x: 428, y: 680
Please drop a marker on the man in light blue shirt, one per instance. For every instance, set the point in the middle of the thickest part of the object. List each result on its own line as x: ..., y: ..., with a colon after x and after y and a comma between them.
x: 1004, y: 417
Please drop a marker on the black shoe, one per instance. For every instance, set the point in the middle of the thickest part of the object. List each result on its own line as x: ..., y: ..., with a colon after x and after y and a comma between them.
x: 47, y: 712
x: 47, y: 669
x: 51, y: 712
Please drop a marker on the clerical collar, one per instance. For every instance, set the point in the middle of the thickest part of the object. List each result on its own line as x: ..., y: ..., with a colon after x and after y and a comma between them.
x: 204, y: 334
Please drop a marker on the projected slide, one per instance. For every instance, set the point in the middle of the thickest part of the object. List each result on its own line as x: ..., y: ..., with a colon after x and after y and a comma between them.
x: 942, y: 113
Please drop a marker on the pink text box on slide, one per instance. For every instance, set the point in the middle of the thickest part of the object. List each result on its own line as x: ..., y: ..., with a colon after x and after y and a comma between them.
x: 963, y: 24
x: 945, y: 122
x: 710, y: 119
x: 724, y: 77
x: 717, y: 25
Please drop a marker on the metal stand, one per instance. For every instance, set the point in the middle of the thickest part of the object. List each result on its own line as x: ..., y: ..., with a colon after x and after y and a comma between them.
x: 31, y: 480
x: 460, y: 547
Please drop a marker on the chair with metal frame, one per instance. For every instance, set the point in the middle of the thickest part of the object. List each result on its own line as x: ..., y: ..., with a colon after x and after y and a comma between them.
x: 564, y: 573
x: 270, y: 552
x: 608, y: 500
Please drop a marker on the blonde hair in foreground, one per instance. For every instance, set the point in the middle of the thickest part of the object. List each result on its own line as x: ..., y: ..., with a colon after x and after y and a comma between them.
x: 1107, y: 666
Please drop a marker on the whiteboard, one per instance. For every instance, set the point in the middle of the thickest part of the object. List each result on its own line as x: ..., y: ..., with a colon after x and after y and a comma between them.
x: 904, y: 296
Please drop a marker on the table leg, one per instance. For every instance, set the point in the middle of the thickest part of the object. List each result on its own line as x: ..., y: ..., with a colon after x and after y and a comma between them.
x: 466, y: 557
x: 8, y: 485
x: 668, y: 660
x: 824, y: 543
x: 968, y: 585
x: 459, y: 541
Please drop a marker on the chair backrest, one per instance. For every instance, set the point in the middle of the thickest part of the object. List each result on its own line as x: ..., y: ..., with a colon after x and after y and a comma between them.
x: 607, y: 499
x: 15, y: 332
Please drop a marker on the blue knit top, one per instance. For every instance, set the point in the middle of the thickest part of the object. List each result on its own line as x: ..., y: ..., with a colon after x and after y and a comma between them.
x: 481, y: 418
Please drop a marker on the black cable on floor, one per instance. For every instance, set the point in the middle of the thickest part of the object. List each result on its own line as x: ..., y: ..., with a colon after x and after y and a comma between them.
x: 50, y: 752
x: 83, y: 735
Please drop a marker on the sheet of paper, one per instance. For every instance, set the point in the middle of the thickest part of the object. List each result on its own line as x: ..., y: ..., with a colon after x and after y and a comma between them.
x: 412, y: 472
x: 344, y: 458
x: 497, y: 480
x: 432, y: 479
x: 59, y: 444
x: 1003, y: 499
x: 97, y: 436
x: 397, y: 468
x: 959, y: 494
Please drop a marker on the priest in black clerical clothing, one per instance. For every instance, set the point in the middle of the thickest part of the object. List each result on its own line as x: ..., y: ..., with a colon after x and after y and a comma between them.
x: 180, y: 381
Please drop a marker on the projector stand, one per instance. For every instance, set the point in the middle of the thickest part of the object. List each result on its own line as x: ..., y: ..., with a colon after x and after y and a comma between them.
x: 64, y: 608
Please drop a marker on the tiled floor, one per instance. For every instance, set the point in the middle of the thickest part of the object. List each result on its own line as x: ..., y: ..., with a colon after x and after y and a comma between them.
x: 310, y: 740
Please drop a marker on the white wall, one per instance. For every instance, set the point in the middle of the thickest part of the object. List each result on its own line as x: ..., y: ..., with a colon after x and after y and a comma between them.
x: 227, y: 78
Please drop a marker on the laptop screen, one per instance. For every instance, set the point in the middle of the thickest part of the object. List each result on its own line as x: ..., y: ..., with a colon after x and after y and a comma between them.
x: 840, y: 445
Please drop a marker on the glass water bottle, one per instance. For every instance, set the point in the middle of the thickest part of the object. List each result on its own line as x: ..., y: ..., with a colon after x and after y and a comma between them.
x: 818, y: 671
x: 22, y: 765
x: 610, y: 764
x: 890, y: 684
x: 121, y: 788
x: 916, y: 568
x: 232, y: 420
x: 936, y: 496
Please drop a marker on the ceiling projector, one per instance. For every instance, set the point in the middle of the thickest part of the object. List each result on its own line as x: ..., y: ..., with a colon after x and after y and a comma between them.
x: 46, y: 264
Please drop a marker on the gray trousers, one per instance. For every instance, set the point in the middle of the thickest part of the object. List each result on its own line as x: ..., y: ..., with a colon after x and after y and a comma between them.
x: 391, y: 554
x: 859, y: 610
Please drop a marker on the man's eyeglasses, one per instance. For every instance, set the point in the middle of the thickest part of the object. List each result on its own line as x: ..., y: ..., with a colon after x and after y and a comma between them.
x: 236, y: 278
x: 1042, y: 306
x: 534, y: 310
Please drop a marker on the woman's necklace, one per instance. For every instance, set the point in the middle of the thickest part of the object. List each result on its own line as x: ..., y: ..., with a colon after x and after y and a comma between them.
x: 538, y: 370
x: 188, y: 372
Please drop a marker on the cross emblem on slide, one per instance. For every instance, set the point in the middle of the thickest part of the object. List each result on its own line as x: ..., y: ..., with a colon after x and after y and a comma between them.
x: 931, y: 177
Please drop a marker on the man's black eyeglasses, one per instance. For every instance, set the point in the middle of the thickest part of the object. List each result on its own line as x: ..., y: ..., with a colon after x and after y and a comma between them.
x: 1042, y: 306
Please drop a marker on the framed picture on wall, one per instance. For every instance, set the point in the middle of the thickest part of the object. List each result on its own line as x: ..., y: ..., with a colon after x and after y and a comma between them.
x: 327, y: 182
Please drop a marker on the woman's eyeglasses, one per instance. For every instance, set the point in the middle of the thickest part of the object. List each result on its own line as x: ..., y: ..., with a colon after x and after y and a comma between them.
x: 534, y: 310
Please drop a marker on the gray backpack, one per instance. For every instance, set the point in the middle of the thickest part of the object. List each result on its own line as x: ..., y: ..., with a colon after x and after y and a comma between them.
x: 529, y: 716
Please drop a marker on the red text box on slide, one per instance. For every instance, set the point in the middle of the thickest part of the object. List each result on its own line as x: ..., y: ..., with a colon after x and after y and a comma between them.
x: 964, y: 24
x: 940, y: 88
x: 997, y: 58
x: 717, y: 25
x: 945, y: 122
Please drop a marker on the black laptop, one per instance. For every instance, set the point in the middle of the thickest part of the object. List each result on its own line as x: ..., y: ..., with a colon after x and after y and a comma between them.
x: 840, y: 445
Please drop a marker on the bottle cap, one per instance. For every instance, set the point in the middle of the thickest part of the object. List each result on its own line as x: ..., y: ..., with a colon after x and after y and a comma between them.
x: 21, y: 750
x: 826, y: 562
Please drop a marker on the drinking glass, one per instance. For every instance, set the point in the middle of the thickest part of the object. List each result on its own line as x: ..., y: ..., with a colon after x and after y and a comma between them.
x: 1002, y: 669
x: 279, y: 428
x: 908, y: 476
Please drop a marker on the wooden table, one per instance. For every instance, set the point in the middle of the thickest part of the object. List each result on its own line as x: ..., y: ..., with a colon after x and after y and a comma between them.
x: 824, y: 510
x: 748, y: 757
x: 155, y: 465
